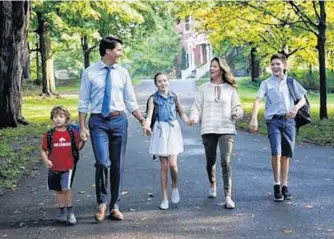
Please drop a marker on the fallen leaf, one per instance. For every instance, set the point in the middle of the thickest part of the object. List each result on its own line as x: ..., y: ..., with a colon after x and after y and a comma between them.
x: 150, y: 195
x: 197, y: 208
x: 318, y: 228
x: 132, y: 210
x: 143, y: 219
x: 287, y: 231
x: 82, y: 192
x: 309, y: 206
x: 16, y: 212
x: 124, y: 192
x: 22, y: 224
x: 93, y: 186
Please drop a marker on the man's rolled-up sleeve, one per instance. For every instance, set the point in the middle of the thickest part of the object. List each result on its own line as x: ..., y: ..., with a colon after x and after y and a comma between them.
x: 129, y: 94
x: 84, y: 94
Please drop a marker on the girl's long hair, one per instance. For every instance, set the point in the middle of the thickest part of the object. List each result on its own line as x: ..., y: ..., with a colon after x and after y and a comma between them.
x: 227, y: 76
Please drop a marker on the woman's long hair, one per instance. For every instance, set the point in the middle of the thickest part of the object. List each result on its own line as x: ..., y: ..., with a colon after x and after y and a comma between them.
x: 227, y: 76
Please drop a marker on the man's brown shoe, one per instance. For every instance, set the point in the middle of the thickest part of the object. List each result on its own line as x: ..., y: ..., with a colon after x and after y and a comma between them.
x: 115, y: 214
x: 100, y: 212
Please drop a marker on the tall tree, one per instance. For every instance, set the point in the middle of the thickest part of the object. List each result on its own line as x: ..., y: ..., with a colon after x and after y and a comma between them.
x: 315, y: 22
x: 14, y: 22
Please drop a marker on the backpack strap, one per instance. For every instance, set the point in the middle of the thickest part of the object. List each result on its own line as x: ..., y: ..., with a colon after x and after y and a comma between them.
x: 49, y: 140
x: 173, y: 94
x: 75, y: 151
x: 291, y: 88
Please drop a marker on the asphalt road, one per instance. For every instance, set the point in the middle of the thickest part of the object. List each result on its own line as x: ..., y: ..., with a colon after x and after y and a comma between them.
x: 28, y: 212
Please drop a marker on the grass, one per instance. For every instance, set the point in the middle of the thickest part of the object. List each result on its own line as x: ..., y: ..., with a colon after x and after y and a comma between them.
x: 319, y: 132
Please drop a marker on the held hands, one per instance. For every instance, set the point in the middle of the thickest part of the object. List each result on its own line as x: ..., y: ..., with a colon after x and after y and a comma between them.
x: 84, y: 133
x: 146, y: 129
x: 253, y: 126
x: 190, y: 122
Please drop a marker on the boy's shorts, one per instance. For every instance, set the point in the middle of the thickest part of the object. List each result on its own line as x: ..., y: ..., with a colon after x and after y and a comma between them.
x: 282, y: 134
x: 59, y: 181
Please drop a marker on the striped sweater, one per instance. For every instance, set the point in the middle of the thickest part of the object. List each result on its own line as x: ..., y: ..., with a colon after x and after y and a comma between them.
x: 216, y: 109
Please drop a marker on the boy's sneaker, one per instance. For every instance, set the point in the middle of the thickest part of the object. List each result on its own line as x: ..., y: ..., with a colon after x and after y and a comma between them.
x: 229, y: 204
x: 61, y: 217
x: 286, y: 194
x: 175, y: 195
x: 164, y: 205
x: 278, y: 197
x: 71, y: 219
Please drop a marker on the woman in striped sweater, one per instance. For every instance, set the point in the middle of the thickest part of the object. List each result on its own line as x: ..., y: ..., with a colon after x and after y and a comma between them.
x: 216, y: 108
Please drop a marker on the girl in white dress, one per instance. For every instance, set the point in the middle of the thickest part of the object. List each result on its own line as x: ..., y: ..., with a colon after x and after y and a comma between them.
x: 166, y: 139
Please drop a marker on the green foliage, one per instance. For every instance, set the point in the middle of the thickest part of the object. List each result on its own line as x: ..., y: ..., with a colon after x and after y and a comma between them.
x: 154, y: 52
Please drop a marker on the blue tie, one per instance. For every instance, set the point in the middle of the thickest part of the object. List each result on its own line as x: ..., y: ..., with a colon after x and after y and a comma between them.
x: 107, y: 92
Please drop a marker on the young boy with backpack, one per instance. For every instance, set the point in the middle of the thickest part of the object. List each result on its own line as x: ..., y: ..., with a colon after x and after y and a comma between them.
x: 60, y: 153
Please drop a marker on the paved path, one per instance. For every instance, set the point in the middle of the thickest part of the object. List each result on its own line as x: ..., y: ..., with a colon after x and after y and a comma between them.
x: 28, y: 212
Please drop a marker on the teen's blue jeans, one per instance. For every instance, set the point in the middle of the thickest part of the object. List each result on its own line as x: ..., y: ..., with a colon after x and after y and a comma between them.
x: 109, y: 137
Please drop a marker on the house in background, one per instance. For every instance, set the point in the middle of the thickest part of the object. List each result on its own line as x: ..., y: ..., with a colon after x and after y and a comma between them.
x: 194, y: 61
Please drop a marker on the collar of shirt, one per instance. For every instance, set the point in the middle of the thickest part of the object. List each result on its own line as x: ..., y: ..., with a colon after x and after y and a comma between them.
x: 102, y: 65
x: 163, y: 95
x: 281, y: 79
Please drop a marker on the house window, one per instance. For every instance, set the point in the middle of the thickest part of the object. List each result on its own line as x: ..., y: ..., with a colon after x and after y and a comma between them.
x: 187, y: 23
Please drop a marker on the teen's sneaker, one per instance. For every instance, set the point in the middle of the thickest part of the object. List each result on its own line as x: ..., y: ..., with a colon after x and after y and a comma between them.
x: 71, y: 220
x: 61, y: 217
x: 164, y: 205
x: 278, y: 197
x: 175, y: 195
x: 229, y: 204
x: 212, y: 192
x: 286, y: 194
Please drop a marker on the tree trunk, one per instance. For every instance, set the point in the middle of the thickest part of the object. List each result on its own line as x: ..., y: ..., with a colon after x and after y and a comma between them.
x: 14, y: 24
x: 50, y: 77
x: 38, y: 68
x: 322, y: 61
x: 48, y: 81
x: 85, y: 51
x: 309, y: 76
x: 26, y: 69
x: 255, y: 65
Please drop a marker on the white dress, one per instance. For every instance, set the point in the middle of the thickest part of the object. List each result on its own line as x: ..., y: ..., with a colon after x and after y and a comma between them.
x: 166, y: 139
